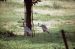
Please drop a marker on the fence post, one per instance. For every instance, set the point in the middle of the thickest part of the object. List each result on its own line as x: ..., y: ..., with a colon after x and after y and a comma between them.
x: 64, y: 39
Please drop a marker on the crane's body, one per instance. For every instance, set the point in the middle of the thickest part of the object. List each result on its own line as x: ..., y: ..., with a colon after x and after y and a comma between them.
x: 44, y: 28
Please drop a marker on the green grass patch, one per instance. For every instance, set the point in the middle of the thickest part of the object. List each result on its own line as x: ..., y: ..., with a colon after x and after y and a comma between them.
x: 40, y: 41
x: 46, y: 17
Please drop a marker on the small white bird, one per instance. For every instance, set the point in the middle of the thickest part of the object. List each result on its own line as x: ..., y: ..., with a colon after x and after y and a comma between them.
x: 44, y: 28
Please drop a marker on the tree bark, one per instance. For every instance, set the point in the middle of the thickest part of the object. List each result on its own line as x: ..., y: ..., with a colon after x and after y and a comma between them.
x: 28, y: 13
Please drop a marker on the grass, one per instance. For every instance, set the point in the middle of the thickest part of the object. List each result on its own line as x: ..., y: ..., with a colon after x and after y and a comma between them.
x: 8, y: 16
x: 47, y: 17
x: 12, y: 20
x: 40, y: 41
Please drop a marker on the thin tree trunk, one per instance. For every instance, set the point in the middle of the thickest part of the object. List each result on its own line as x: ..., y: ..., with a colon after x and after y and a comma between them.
x: 28, y: 7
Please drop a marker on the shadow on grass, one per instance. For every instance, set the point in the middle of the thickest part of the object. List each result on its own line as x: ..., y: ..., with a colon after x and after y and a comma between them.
x: 39, y: 38
x: 53, y: 37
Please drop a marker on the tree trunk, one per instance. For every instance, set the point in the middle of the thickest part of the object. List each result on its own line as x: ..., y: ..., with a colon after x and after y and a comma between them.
x: 28, y: 7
